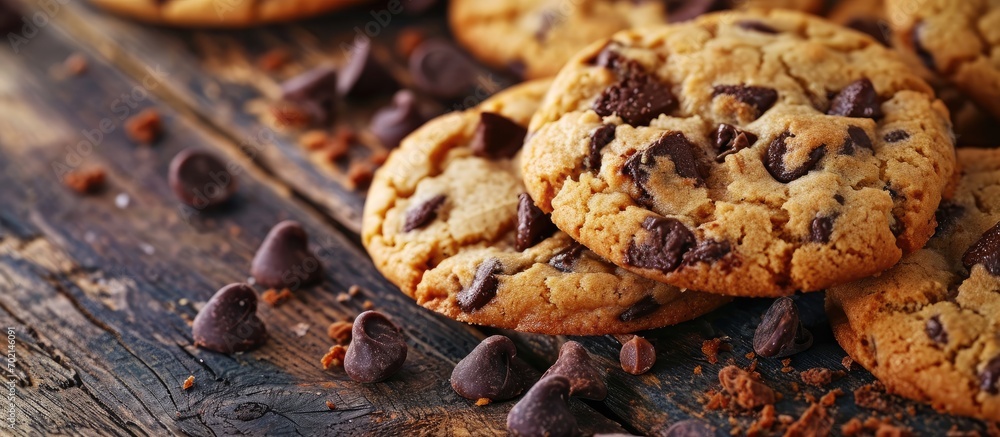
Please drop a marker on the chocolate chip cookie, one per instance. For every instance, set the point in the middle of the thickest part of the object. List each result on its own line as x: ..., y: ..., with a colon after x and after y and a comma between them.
x: 743, y: 153
x: 216, y: 13
x: 929, y: 328
x: 448, y: 221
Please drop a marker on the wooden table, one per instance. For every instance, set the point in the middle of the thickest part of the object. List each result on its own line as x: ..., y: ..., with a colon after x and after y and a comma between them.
x: 100, y: 297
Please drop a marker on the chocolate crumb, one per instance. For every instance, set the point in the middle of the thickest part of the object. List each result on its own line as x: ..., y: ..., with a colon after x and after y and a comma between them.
x: 331, y: 405
x: 188, y: 383
x: 85, y: 181
x: 334, y: 357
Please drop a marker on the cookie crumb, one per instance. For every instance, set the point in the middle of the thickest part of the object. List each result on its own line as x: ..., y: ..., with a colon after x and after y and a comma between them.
x: 331, y: 405
x: 889, y: 430
x: 338, y: 145
x: 814, y: 421
x: 144, y: 127
x: 819, y: 376
x: 334, y: 357
x: 750, y: 355
x: 847, y: 362
x: 830, y: 397
x: 274, y: 298
x: 274, y: 59
x: 711, y: 348
x: 340, y: 332
x: 482, y: 402
x: 188, y: 383
x: 716, y: 401
x: 697, y: 370
x: 354, y: 290
x: 786, y: 366
x: 765, y: 421
x: 85, y: 181
x: 748, y: 392
x: 75, y: 64
x: 368, y: 305
x: 314, y: 140
x: 287, y: 114
x: 868, y: 396
x: 408, y: 40
x: 359, y: 174
x: 852, y: 427
x: 378, y: 157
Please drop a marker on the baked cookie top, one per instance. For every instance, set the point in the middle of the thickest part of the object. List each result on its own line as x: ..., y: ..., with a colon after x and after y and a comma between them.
x: 929, y: 328
x: 447, y: 221
x: 743, y: 153
x: 218, y: 13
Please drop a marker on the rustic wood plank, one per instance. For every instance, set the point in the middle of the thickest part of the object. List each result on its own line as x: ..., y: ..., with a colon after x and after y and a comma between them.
x: 107, y: 293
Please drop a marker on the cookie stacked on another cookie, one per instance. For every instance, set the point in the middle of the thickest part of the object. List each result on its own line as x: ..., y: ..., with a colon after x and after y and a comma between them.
x: 749, y: 154
x: 447, y: 220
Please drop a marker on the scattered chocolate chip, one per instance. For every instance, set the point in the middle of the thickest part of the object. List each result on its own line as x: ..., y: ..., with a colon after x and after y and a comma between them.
x: 566, y: 258
x: 644, y: 307
x: 986, y: 251
x: 318, y: 84
x: 674, y: 145
x: 199, y: 179
x: 398, y: 119
x: 423, y: 213
x: 873, y: 27
x: 497, y: 137
x: 637, y: 97
x: 690, y: 428
x: 637, y: 355
x: 491, y: 371
x: 483, y: 288
x: 780, y: 333
x: 707, y: 251
x: 544, y: 411
x: 989, y: 377
x: 760, y: 98
x: 858, y: 99
x: 533, y: 225
x: 228, y: 323
x: 925, y: 56
x: 284, y: 260
x: 583, y: 373
x: 664, y: 246
x: 89, y: 181
x: 377, y: 348
x: 730, y: 139
x: 601, y: 137
x: 774, y: 160
x: 748, y: 392
x: 683, y: 10
x: 363, y: 76
x: 935, y: 330
x: 896, y: 136
x: 821, y: 228
x: 856, y: 137
x: 442, y: 70
x: 947, y: 216
x: 756, y: 26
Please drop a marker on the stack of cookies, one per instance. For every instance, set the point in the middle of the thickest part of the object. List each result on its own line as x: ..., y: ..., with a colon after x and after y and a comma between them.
x: 668, y: 169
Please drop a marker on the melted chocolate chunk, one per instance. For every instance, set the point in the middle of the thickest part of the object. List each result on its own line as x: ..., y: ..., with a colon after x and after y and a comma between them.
x: 497, y: 137
x: 856, y: 137
x: 423, y: 213
x: 533, y: 225
x: 491, y: 371
x: 644, y: 307
x: 781, y: 333
x: 600, y: 138
x: 483, y: 288
x: 872, y: 27
x: 566, y: 258
x: 986, y: 251
x: 821, y: 228
x: 925, y: 56
x: 775, y: 160
x: 935, y: 330
x: 989, y: 378
x: 730, y: 139
x: 663, y: 247
x: 756, y: 26
x: 760, y: 98
x: 284, y: 260
x: 377, y: 350
x: 947, y: 216
x: 707, y: 251
x: 583, y: 373
x: 637, y: 97
x: 858, y: 99
x: 896, y: 136
x: 674, y: 145
x: 608, y: 57
x: 228, y: 323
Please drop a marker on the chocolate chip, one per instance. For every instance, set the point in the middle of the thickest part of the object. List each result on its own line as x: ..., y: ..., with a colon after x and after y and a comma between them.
x: 896, y: 136
x: 442, y: 70
x: 707, y: 251
x: 544, y: 411
x: 947, y: 216
x: 364, y: 76
x: 756, y: 26
x: 377, y: 348
x: 318, y: 85
x: 856, y: 137
x: 925, y: 56
x: 821, y: 228
x: 637, y: 355
x: 395, y: 121
x: 423, y: 213
x: 935, y: 330
x: 873, y: 27
x: 986, y: 251
x: 228, y: 323
x: 637, y: 97
x: 683, y: 10
x: 608, y: 57
x: 858, y: 99
x: 483, y: 288
x: 780, y: 333
x: 284, y: 260
x: 989, y: 378
x: 199, y: 179
x: 663, y: 247
x: 774, y: 160
x: 690, y: 428
x: 681, y: 152
x: 760, y: 98
x: 730, y: 139
x: 491, y: 371
x: 497, y: 137
x: 585, y: 378
x: 838, y: 198
x: 533, y: 225
x: 566, y: 258
x: 600, y: 138
x: 644, y: 307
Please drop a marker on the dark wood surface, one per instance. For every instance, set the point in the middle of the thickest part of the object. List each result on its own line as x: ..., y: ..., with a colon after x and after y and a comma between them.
x: 101, y: 297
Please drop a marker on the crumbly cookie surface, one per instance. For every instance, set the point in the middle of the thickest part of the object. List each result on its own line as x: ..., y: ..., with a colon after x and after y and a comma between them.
x: 221, y: 13
x: 929, y: 328
x: 441, y: 221
x: 750, y: 154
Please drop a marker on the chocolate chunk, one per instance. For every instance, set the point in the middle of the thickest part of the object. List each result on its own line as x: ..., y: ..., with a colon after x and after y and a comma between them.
x: 199, y: 179
x: 856, y: 137
x: 640, y: 165
x: 483, y: 288
x: 491, y: 371
x: 872, y: 27
x: 637, y: 97
x: 947, y: 216
x: 423, y: 213
x: 377, y: 348
x: 664, y: 246
x: 533, y: 225
x: 544, y: 411
x: 989, y: 377
x: 707, y: 251
x: 935, y: 330
x: 566, y: 258
x: 690, y: 428
x: 395, y: 121
x: 746, y: 390
x: 637, y: 355
x: 600, y: 138
x: 644, y: 307
x: 756, y: 26
x: 442, y: 70
x: 683, y: 10
x: 608, y: 57
x: 284, y: 260
x: 364, y: 76
x: 780, y: 333
x: 228, y: 323
x: 821, y: 228
x: 858, y: 99
x: 925, y: 56
x: 838, y: 198
x: 585, y: 378
x: 318, y: 85
x: 986, y: 251
x: 760, y: 98
x: 774, y: 161
x: 730, y: 139
x: 896, y: 136
x: 497, y: 137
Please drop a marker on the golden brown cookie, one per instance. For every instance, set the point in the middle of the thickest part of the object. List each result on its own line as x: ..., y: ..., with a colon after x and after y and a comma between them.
x: 221, y: 13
